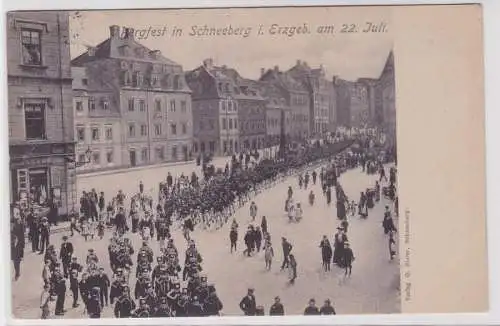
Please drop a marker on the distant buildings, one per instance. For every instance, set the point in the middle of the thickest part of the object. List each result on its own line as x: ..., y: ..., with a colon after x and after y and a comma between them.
x: 228, y: 111
x: 149, y: 93
x: 296, y: 98
x: 41, y: 142
x: 368, y: 101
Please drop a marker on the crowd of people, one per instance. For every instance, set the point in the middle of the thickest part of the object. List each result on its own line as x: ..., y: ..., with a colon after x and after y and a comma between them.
x: 174, y: 287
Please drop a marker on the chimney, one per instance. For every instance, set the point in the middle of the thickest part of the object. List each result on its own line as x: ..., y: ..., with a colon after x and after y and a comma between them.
x: 276, y: 68
x: 155, y: 54
x: 208, y: 63
x: 224, y: 67
x: 91, y: 51
x: 299, y: 62
x: 129, y: 33
x: 262, y: 71
x: 114, y: 31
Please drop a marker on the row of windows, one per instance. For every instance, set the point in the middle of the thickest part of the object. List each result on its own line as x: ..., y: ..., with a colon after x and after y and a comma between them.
x: 95, y: 132
x: 140, y: 104
x: 160, y: 153
x: 273, y: 122
x: 157, y: 129
x: 254, y: 125
x: 229, y: 124
x: 103, y: 104
x: 299, y: 99
x: 96, y: 157
x: 137, y: 79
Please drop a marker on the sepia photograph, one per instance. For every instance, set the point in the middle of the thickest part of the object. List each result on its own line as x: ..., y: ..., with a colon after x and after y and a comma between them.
x: 204, y: 162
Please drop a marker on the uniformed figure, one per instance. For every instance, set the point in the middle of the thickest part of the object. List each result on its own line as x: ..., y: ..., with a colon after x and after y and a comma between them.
x: 248, y: 304
x: 124, y: 305
x: 94, y: 304
x: 311, y: 309
x: 104, y: 284
x: 277, y: 308
x: 163, y: 309
x: 73, y: 286
x: 65, y: 255
x: 59, y: 286
x: 327, y: 308
x: 143, y: 311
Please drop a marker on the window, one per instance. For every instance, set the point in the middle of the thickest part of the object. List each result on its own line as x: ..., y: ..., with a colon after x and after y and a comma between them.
x: 142, y: 105
x: 158, y: 129
x: 137, y: 79
x: 144, y: 154
x: 172, y: 106
x: 174, y: 152
x: 96, y: 158
x: 173, y: 129
x: 224, y: 124
x: 154, y: 80
x: 158, y: 105
x: 80, y: 133
x: 202, y: 125
x: 79, y: 106
x: 92, y: 103
x: 85, y: 81
x: 34, y: 118
x: 202, y: 147
x: 183, y: 106
x: 131, y: 130
x: 184, y: 128
x: 144, y: 130
x: 160, y: 154
x: 31, y: 47
x: 109, y: 132
x: 81, y: 158
x: 195, y: 147
x: 230, y: 124
x: 212, y: 124
x: 131, y: 104
x: 105, y: 104
x: 95, y: 133
x: 177, y: 82
x: 225, y: 146
x: 109, y: 156
x: 212, y: 146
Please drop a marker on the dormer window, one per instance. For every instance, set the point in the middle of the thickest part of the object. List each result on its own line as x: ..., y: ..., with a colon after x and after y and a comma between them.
x: 139, y: 52
x: 124, y: 65
x: 126, y: 80
x: 137, y: 79
x: 124, y: 50
x: 105, y: 104
x: 177, y: 82
x: 154, y: 80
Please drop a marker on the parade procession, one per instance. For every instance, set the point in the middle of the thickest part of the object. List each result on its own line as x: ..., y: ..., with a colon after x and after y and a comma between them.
x: 140, y: 189
x: 153, y: 265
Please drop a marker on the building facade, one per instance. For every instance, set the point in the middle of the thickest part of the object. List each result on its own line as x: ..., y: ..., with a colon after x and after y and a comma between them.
x: 251, y: 116
x: 152, y: 97
x: 41, y: 145
x: 320, y: 96
x: 215, y: 109
x: 386, y: 97
x: 97, y: 125
x: 296, y: 98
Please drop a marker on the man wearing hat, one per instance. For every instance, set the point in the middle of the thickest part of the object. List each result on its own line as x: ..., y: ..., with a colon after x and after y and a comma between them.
x: 277, y: 308
x: 311, y: 309
x: 44, y: 235
x: 144, y: 311
x: 327, y: 308
x: 348, y: 258
x: 94, y: 304
x: 248, y: 303
x: 213, y: 305
x: 124, y: 305
x: 287, y: 248
x: 163, y: 309
x: 65, y: 255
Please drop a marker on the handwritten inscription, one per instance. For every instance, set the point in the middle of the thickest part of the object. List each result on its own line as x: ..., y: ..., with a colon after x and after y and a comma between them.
x: 259, y: 30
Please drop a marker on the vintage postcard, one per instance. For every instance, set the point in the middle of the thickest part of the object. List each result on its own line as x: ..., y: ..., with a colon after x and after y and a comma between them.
x: 269, y: 161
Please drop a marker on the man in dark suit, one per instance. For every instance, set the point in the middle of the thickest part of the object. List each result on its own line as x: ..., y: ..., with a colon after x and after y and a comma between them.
x: 65, y: 255
x: 248, y: 304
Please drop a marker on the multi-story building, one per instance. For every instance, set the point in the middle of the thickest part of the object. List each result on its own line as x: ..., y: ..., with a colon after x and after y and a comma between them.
x: 385, y: 97
x: 215, y: 109
x: 296, y: 98
x: 251, y: 115
x: 320, y: 96
x: 97, y: 125
x: 151, y: 94
x: 41, y: 145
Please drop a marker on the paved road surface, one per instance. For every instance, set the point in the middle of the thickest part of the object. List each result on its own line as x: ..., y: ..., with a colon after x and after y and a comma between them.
x: 373, y: 287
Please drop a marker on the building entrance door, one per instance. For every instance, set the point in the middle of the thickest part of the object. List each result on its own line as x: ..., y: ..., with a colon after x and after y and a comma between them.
x: 133, y: 157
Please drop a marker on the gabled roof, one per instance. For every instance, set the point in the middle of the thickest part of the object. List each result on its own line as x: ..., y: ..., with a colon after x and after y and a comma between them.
x: 110, y: 48
x: 284, y: 80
